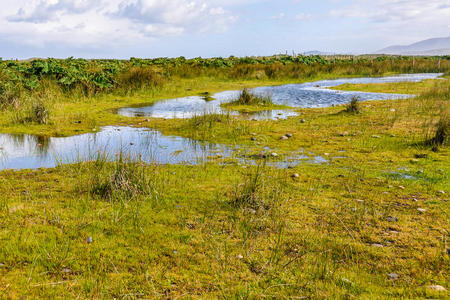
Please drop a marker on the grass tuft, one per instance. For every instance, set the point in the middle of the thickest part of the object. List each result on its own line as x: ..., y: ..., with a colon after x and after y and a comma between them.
x: 123, y: 179
x: 353, y: 106
x: 442, y: 131
x: 248, y: 98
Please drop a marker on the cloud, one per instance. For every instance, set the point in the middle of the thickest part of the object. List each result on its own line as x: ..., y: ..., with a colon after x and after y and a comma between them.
x: 399, y: 20
x: 278, y: 17
x: 101, y: 23
x: 303, y: 17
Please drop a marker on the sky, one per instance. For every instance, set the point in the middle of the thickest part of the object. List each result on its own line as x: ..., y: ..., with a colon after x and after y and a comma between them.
x: 211, y: 28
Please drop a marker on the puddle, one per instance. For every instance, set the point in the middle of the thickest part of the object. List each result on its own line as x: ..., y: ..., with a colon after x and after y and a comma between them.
x: 31, y: 152
x: 307, y: 95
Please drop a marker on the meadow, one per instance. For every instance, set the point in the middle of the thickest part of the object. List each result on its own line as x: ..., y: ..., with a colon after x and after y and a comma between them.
x: 370, y: 222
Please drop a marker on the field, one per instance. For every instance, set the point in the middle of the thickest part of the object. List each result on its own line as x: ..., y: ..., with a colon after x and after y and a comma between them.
x: 371, y: 222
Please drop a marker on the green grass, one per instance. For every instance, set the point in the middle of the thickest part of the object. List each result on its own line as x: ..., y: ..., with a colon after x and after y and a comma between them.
x: 239, y: 231
x: 393, y: 88
x: 250, y: 102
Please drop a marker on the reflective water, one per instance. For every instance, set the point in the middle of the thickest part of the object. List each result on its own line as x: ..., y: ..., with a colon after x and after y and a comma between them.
x: 31, y: 152
x: 311, y: 94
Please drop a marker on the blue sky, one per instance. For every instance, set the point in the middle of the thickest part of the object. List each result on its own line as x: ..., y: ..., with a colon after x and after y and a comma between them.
x: 155, y: 28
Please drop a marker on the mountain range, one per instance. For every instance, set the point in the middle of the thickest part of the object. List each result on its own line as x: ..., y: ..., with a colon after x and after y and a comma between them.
x: 435, y: 46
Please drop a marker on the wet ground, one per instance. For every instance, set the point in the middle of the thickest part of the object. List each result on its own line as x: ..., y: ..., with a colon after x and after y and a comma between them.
x: 31, y: 152
x: 308, y: 95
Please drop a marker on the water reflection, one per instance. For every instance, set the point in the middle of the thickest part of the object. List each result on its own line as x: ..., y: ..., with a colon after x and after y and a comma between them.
x: 30, y: 152
x: 308, y: 95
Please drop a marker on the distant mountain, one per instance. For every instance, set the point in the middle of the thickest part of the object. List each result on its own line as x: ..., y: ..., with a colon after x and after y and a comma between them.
x: 436, y: 46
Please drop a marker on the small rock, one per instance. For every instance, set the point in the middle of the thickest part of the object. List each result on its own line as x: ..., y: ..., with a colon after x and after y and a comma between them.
x: 253, y: 134
x: 392, y: 219
x: 284, y: 137
x: 393, y: 231
x: 376, y: 136
x: 392, y: 135
x: 359, y: 200
x: 390, y: 186
x: 175, y: 252
x: 239, y: 256
x: 253, y: 138
x: 436, y: 287
x: 274, y: 154
x: 345, y: 133
x: 422, y: 210
x: 393, y: 276
x: 326, y: 154
x: 422, y: 155
x: 251, y: 210
x: 376, y: 245
x: 302, y: 121
x: 66, y: 270
x: 392, y: 109
x: 295, y: 175
x: 414, y: 161
x: 401, y: 187
x: 89, y: 240
x: 147, y: 120
x: 441, y: 192
x: 288, y: 135
x: 420, y: 172
x: 2, y: 265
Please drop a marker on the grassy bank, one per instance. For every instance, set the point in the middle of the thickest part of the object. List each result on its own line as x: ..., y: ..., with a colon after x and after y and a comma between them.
x: 372, y: 222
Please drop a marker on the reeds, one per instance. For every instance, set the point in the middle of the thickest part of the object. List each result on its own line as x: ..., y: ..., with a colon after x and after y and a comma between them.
x: 353, y: 106
x: 248, y: 98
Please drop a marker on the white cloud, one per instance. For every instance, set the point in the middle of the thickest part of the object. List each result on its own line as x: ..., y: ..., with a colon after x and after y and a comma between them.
x: 107, y: 22
x: 400, y: 20
x: 303, y: 17
x: 278, y: 17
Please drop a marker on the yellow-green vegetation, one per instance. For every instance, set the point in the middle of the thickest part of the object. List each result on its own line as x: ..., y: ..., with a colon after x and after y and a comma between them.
x: 77, y: 95
x: 370, y: 223
x: 392, y: 88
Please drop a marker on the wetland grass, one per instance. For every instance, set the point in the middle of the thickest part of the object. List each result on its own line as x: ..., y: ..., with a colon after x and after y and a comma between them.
x: 127, y: 229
